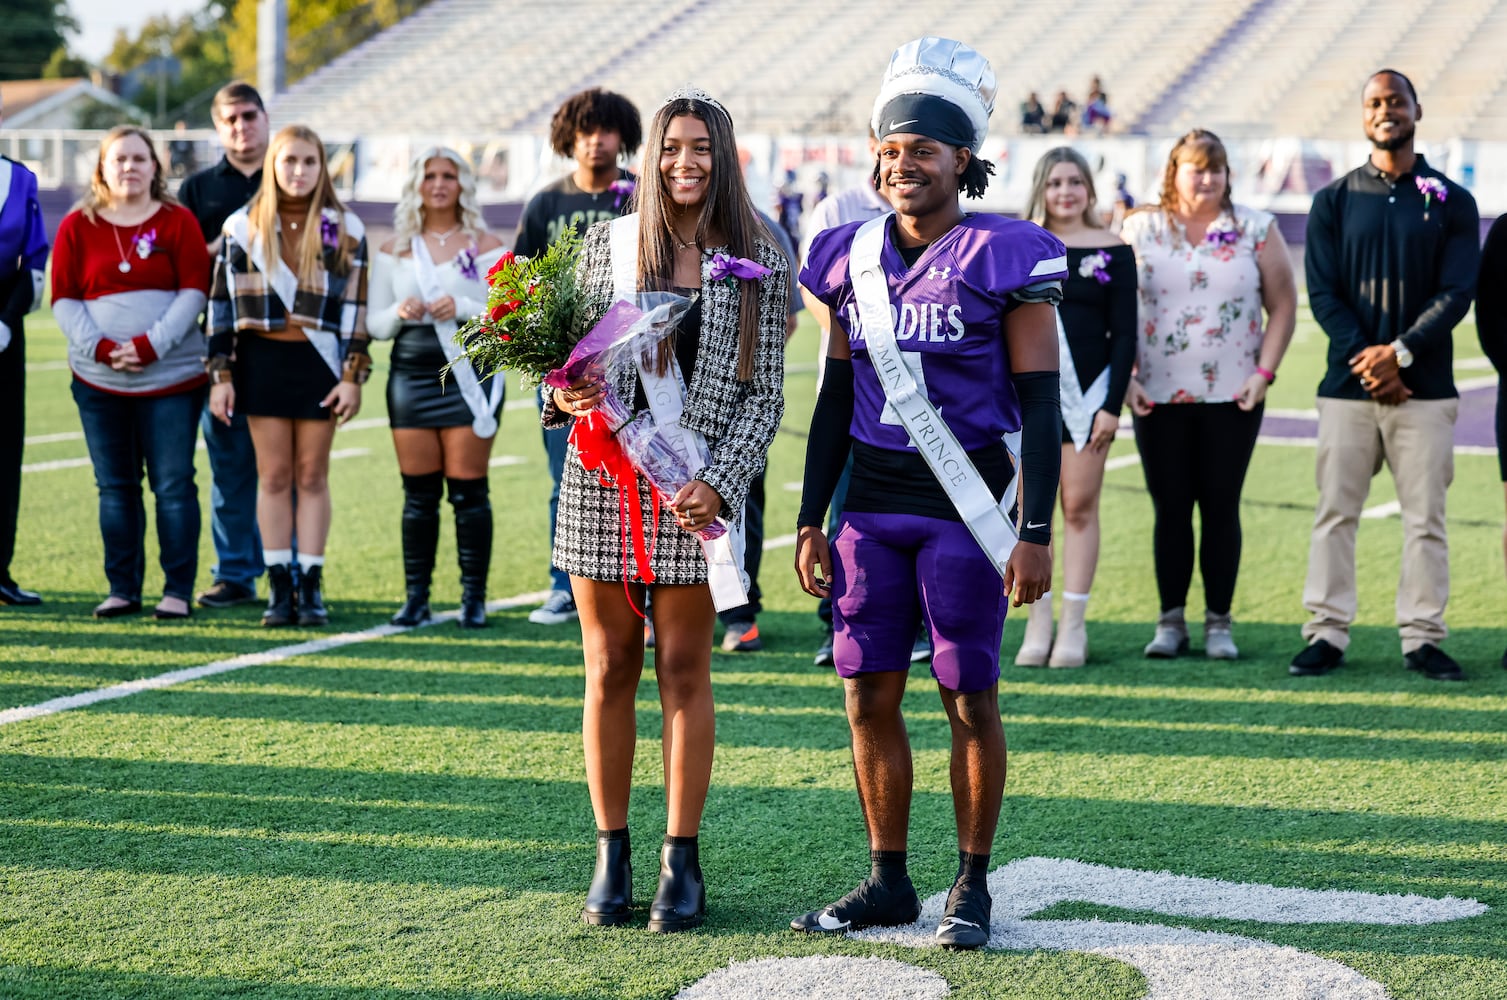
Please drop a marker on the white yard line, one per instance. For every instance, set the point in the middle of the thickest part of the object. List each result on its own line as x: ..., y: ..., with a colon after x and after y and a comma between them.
x: 275, y: 655
x: 61, y: 463
x: 1382, y: 510
x: 501, y: 460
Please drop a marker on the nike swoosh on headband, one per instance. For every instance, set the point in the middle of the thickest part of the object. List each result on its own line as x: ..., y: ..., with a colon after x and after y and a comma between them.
x: 893, y: 126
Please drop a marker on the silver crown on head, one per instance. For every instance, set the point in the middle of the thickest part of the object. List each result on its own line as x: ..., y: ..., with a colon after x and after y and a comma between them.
x: 942, y: 68
x: 686, y: 92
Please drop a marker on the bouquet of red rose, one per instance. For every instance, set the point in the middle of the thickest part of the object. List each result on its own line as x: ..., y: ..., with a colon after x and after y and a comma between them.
x: 532, y: 308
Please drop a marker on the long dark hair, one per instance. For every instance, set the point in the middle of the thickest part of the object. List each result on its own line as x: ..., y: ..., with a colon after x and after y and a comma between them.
x: 727, y: 210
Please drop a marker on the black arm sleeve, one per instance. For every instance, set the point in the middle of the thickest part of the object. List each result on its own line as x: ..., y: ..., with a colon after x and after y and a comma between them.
x: 1040, y: 451
x: 1123, y: 304
x: 1491, y: 296
x: 828, y: 445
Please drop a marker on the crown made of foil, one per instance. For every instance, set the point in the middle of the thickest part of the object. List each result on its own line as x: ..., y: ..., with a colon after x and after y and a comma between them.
x: 942, y: 68
x: 690, y: 93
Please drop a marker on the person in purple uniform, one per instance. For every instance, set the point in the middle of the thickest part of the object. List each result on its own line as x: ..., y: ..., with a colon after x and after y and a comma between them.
x: 23, y: 260
x: 950, y: 340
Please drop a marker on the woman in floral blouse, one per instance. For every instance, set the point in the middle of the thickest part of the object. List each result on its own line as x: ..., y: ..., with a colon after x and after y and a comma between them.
x: 1207, y: 269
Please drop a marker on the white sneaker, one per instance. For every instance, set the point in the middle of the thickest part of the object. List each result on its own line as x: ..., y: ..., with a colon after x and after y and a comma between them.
x: 558, y: 608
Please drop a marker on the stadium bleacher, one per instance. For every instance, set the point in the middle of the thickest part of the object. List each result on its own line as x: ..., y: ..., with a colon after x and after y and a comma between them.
x: 1252, y: 68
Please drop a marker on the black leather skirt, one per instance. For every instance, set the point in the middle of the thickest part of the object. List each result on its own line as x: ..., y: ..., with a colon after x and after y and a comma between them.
x: 416, y: 396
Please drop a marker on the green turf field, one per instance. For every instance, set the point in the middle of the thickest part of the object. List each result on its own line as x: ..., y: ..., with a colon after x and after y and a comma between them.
x: 406, y: 817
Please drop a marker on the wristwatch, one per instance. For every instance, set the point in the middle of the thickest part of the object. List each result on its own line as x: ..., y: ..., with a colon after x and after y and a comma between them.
x: 1404, y: 356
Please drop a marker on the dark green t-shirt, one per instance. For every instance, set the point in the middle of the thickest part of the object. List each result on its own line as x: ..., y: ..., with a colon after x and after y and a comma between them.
x: 557, y: 206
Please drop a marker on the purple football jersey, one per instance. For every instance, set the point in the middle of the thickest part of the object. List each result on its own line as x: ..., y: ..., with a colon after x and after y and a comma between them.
x: 949, y: 309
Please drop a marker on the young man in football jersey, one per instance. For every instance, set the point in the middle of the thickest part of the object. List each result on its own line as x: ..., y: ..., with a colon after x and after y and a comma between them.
x: 949, y: 344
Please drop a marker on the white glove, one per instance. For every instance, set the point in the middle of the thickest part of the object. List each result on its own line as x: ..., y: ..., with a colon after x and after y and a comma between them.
x: 4, y: 336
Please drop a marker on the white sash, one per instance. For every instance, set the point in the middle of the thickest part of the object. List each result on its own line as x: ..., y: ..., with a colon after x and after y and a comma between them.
x: 482, y: 403
x: 666, y: 394
x: 282, y: 282
x: 989, y: 522
x: 1078, y: 405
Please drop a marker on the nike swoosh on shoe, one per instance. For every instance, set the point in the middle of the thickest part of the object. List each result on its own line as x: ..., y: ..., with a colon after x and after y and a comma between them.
x: 828, y: 922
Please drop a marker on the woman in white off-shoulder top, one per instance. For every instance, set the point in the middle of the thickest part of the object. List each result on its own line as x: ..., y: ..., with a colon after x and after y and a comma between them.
x: 427, y: 281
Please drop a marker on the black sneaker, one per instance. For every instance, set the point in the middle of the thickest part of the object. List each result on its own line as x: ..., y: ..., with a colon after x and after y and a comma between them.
x: 869, y: 905
x: 1433, y: 663
x: 824, y: 651
x: 224, y: 594
x: 965, y: 922
x: 1317, y: 658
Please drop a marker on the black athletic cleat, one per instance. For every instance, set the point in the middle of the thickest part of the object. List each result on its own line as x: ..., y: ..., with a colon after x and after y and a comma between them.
x: 965, y: 922
x: 870, y: 905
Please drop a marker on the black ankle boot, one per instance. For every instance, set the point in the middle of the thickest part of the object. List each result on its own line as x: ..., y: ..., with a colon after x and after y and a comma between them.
x: 609, y: 901
x: 680, y: 903
x: 310, y: 601
x: 473, y: 547
x: 421, y: 535
x: 279, y: 597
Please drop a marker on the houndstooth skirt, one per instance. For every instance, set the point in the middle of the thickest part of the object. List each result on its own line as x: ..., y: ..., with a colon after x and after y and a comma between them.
x: 589, y: 540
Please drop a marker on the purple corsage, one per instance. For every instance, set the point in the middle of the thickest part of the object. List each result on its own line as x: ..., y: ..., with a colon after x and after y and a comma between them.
x: 465, y: 262
x: 146, y: 244
x: 1222, y: 237
x: 329, y: 229
x: 1093, y: 266
x: 1431, y: 188
x: 729, y: 269
x: 622, y: 189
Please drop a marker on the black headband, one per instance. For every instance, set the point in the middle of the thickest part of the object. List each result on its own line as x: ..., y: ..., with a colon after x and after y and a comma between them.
x: 925, y: 114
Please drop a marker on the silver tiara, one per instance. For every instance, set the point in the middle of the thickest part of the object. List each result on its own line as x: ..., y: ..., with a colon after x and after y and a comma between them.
x: 687, y: 92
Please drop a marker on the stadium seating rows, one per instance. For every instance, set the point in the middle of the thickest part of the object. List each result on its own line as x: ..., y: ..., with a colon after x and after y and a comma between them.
x: 1242, y: 67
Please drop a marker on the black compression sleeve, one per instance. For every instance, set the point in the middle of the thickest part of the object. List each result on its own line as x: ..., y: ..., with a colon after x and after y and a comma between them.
x: 828, y: 444
x: 1040, y: 451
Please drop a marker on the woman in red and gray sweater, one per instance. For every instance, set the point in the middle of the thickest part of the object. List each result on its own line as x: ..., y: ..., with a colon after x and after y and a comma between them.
x: 129, y: 279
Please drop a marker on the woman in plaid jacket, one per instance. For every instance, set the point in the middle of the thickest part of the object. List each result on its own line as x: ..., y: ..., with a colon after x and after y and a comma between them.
x: 730, y: 351
x: 288, y: 345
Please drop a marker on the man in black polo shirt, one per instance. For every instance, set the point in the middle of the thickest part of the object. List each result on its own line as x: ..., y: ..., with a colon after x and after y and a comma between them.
x: 1391, y: 255
x: 213, y: 195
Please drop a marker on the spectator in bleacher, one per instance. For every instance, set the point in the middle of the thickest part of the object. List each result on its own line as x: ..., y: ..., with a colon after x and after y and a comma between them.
x: 1392, y: 254
x: 128, y: 282
x: 1096, y: 350
x: 1096, y: 113
x: 1033, y: 116
x: 212, y: 195
x: 859, y: 203
x: 1206, y: 269
x: 730, y: 348
x: 1064, y: 113
x: 288, y: 348
x: 596, y: 128
x: 23, y: 261
x: 1491, y: 328
x: 426, y: 281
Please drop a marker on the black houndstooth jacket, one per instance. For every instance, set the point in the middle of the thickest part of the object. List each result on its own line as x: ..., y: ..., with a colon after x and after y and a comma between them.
x: 738, y: 419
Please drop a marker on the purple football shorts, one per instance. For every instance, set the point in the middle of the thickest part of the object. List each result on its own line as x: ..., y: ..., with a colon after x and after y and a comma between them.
x: 891, y: 569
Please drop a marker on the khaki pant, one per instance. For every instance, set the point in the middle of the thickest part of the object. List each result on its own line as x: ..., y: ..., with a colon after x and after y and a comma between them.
x: 1416, y: 441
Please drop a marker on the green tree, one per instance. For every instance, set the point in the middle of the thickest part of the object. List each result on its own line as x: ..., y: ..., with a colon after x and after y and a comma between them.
x: 197, y: 41
x: 318, y: 30
x: 30, y: 32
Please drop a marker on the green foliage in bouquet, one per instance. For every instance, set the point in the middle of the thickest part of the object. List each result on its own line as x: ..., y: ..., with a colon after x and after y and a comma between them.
x: 532, y: 308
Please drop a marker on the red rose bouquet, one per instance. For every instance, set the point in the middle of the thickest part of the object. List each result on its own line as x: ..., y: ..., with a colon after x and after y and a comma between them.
x: 532, y: 308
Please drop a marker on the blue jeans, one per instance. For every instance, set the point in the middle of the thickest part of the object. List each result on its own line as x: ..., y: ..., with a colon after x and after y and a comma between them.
x: 125, y: 434
x: 232, y: 500
x: 556, y: 440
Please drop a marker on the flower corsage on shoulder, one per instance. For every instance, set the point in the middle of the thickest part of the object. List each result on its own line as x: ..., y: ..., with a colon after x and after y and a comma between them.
x: 729, y: 269
x: 1431, y: 188
x: 1095, y: 265
x: 1221, y: 239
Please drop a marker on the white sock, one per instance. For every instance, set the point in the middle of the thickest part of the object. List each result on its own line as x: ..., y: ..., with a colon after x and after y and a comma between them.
x: 307, y: 562
x: 277, y: 557
x: 1068, y: 595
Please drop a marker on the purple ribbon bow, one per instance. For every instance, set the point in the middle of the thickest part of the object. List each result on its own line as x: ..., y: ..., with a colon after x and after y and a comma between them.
x: 1222, y: 236
x: 725, y: 266
x: 329, y: 230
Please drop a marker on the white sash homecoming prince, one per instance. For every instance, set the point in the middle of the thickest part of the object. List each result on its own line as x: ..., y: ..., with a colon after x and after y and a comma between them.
x: 666, y: 395
x: 482, y: 403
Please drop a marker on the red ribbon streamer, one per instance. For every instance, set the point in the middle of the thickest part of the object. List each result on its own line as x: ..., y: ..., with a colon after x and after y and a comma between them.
x: 600, y: 451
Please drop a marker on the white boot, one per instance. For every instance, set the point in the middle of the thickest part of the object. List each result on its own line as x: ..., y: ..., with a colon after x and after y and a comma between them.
x: 1219, y: 644
x: 1037, y: 642
x: 1071, y: 646
x: 1171, y: 637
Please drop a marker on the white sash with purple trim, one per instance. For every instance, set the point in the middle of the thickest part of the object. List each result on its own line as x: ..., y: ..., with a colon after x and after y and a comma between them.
x: 666, y: 394
x: 989, y: 522
x: 482, y: 403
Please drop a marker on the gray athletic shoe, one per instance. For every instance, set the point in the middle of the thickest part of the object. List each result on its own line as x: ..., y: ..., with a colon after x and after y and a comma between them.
x: 1171, y: 639
x: 1219, y: 644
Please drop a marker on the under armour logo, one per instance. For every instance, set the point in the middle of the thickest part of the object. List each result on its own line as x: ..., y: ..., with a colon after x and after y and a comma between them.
x: 939, y: 272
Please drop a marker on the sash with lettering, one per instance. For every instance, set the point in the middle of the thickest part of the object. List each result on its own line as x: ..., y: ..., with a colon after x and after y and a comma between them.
x: 482, y: 403
x: 1079, y: 405
x: 284, y: 283
x: 988, y: 521
x: 666, y: 395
